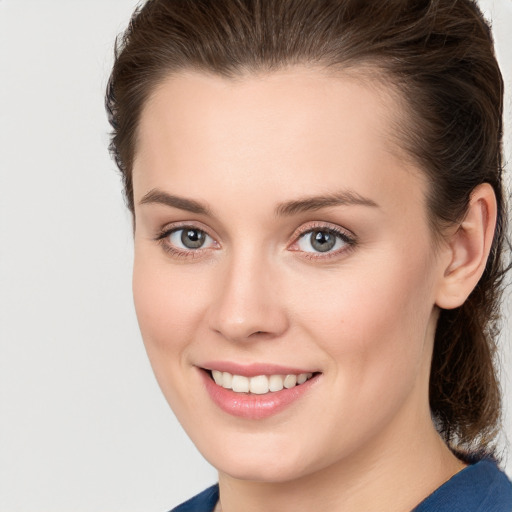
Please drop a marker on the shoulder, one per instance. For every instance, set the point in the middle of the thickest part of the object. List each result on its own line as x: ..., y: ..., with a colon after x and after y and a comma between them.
x: 480, y: 487
x: 203, y: 502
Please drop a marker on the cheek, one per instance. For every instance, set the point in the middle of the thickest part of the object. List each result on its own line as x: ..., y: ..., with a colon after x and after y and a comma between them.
x: 169, y: 305
x: 168, y: 302
x: 373, y: 320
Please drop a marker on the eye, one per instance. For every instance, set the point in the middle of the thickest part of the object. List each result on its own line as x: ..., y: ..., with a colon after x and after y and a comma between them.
x: 185, y: 241
x: 189, y: 238
x: 323, y: 240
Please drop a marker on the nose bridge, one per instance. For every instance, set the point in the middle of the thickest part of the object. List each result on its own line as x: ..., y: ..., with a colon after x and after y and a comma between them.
x: 247, y: 302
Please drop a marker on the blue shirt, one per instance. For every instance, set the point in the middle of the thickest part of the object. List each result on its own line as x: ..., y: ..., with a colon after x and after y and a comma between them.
x: 481, y: 487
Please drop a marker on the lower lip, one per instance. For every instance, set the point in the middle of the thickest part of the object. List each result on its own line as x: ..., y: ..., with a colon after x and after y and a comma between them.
x: 252, y: 406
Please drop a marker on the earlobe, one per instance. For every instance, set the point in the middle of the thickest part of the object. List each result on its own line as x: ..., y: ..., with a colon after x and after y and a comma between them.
x: 467, y: 249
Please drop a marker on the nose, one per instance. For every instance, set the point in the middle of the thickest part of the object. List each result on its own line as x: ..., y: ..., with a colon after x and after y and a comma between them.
x: 247, y: 305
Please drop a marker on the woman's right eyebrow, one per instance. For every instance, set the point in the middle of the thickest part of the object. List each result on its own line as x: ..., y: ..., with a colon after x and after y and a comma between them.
x: 156, y: 196
x: 309, y: 203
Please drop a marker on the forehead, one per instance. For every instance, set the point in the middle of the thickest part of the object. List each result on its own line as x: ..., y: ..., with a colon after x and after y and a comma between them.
x: 190, y: 103
x: 288, y: 131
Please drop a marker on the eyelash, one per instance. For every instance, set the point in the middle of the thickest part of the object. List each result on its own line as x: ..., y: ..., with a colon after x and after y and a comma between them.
x: 346, y: 237
x: 161, y: 238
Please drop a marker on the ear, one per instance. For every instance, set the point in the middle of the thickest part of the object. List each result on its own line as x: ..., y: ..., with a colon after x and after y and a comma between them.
x: 467, y: 249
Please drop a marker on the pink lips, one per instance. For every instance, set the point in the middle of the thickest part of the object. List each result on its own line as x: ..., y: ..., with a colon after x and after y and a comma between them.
x: 251, y: 406
x: 252, y: 370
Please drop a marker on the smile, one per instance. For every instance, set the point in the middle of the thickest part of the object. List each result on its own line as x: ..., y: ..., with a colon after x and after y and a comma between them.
x: 260, y: 384
x: 258, y: 395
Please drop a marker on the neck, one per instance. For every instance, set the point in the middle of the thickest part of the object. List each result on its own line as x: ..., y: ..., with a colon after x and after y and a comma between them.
x: 395, y: 473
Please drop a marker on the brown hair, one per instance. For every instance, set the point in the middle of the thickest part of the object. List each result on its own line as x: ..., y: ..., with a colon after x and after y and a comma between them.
x: 438, y: 54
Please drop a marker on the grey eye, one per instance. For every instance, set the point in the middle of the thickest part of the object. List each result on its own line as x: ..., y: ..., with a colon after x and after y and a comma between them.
x: 189, y: 238
x: 193, y: 238
x: 321, y: 240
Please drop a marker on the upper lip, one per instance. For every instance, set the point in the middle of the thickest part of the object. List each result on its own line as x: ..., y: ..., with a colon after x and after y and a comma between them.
x: 253, y: 369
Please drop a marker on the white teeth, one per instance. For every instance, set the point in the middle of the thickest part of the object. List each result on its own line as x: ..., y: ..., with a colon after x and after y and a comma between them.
x: 259, y: 385
x: 240, y: 384
x: 290, y: 381
x: 276, y: 382
x: 217, y: 377
x: 303, y: 377
x: 227, y: 380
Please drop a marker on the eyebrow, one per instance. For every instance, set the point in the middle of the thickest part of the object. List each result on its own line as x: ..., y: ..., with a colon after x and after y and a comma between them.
x: 156, y: 196
x: 313, y: 203
x: 288, y: 208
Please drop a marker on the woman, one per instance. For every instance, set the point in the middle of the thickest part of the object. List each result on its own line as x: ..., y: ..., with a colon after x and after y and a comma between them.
x: 319, y: 219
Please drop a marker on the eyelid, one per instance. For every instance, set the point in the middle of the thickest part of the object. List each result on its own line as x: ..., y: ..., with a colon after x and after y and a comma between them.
x: 349, y: 238
x: 175, y: 226
x: 164, y: 233
x: 319, y: 225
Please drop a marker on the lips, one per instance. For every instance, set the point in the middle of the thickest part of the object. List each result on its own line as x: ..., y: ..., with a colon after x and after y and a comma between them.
x: 255, y: 391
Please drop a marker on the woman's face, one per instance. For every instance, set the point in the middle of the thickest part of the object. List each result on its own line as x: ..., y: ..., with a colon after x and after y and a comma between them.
x: 279, y: 232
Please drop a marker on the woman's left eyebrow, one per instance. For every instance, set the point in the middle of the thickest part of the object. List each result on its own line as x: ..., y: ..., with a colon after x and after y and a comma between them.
x: 287, y: 208
x: 312, y: 203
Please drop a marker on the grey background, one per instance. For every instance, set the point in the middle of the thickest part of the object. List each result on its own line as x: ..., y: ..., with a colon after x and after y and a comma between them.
x: 83, y: 425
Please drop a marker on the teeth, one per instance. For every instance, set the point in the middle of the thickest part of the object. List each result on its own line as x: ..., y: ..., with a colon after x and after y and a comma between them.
x: 260, y: 384
x: 276, y: 383
x: 227, y: 380
x: 303, y: 377
x: 240, y: 384
x: 290, y: 381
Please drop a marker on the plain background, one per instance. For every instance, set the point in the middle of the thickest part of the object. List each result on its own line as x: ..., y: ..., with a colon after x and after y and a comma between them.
x: 83, y: 425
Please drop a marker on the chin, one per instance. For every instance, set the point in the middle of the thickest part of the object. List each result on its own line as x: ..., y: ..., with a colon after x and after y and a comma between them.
x: 258, y: 461
x: 268, y: 472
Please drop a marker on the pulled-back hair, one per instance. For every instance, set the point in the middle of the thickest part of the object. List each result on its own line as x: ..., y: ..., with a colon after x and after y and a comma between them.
x: 437, y: 55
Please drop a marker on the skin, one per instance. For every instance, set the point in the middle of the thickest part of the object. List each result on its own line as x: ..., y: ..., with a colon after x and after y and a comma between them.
x: 363, y: 315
